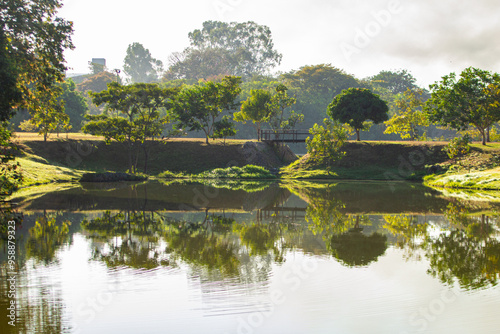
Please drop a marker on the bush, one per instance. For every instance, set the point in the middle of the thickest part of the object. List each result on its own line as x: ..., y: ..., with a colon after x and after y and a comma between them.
x: 458, y: 146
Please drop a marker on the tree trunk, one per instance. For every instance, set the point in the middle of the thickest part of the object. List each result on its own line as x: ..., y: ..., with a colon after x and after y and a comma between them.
x: 146, y: 154
x: 488, y: 134
x: 483, y: 134
x: 357, y: 135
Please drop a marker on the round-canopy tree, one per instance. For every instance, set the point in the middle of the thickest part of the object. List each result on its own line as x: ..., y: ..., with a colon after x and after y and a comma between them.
x: 355, y: 106
x: 473, y: 99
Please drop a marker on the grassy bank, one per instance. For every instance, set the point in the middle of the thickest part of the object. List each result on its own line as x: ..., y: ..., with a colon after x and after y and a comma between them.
x: 373, y: 161
x: 478, y: 170
x: 66, y: 159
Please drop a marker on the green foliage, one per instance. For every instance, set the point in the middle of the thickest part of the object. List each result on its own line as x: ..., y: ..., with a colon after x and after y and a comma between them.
x: 472, y: 99
x: 245, y: 172
x: 10, y: 94
x: 314, y: 87
x: 224, y: 128
x: 47, y: 113
x: 96, y: 83
x: 278, y: 104
x: 45, y: 238
x: 198, y: 108
x: 458, y: 146
x: 10, y: 173
x: 409, y: 116
x: 325, y: 146
x: 136, y: 116
x: 194, y: 64
x: 75, y: 105
x: 140, y: 66
x: 38, y: 39
x: 396, y: 82
x: 355, y: 106
x: 255, y: 108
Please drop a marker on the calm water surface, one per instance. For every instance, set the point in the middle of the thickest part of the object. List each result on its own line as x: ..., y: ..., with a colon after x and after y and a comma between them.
x: 303, y: 257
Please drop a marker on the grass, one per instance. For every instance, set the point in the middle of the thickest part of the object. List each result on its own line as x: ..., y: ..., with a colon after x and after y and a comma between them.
x: 478, y: 180
x: 245, y: 172
x: 37, y: 173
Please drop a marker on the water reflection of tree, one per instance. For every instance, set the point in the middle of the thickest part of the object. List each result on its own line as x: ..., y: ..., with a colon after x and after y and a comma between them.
x: 204, y: 244
x: 342, y: 233
x: 409, y: 233
x: 45, y: 238
x: 469, y: 253
x: 262, y: 238
x: 127, y: 239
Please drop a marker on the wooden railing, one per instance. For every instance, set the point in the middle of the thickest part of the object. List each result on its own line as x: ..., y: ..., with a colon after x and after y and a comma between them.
x: 289, y: 136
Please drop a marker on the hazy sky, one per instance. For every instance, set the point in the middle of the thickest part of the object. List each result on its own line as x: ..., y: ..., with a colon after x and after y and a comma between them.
x: 363, y: 37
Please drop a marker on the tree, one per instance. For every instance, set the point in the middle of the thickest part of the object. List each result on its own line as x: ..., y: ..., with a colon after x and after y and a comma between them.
x: 409, y: 117
x: 473, y: 99
x: 255, y: 108
x: 325, y: 146
x: 278, y: 104
x: 38, y: 40
x: 224, y: 128
x: 243, y: 48
x: 47, y: 113
x: 96, y: 83
x: 197, y: 64
x: 396, y: 82
x: 140, y: 66
x: 199, y: 107
x: 75, y: 105
x: 355, y: 106
x: 319, y: 84
x: 137, y: 116
x: 10, y: 94
x: 315, y: 86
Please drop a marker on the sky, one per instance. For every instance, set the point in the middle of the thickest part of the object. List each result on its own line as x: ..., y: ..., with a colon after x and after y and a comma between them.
x: 428, y: 38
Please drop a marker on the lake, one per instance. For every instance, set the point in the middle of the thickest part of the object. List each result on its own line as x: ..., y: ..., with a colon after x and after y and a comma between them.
x: 252, y: 257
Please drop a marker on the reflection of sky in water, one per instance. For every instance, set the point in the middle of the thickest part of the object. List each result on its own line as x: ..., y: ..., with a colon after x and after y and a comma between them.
x: 295, y: 285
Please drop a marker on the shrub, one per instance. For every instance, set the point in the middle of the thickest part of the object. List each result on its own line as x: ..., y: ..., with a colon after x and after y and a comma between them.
x: 458, y: 146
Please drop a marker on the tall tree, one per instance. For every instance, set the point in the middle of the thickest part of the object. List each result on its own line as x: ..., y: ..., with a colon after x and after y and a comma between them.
x: 243, y: 48
x: 410, y: 116
x: 96, y: 83
x: 255, y: 108
x: 10, y: 94
x: 195, y: 63
x: 140, y: 65
x: 315, y: 86
x: 75, y: 105
x: 395, y: 81
x: 198, y: 108
x: 280, y: 102
x: 473, y: 99
x: 47, y: 113
x: 355, y: 106
x: 137, y: 116
x: 38, y: 39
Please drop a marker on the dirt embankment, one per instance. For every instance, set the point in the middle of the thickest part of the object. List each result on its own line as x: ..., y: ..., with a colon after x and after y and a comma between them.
x: 190, y: 155
x: 393, y: 154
